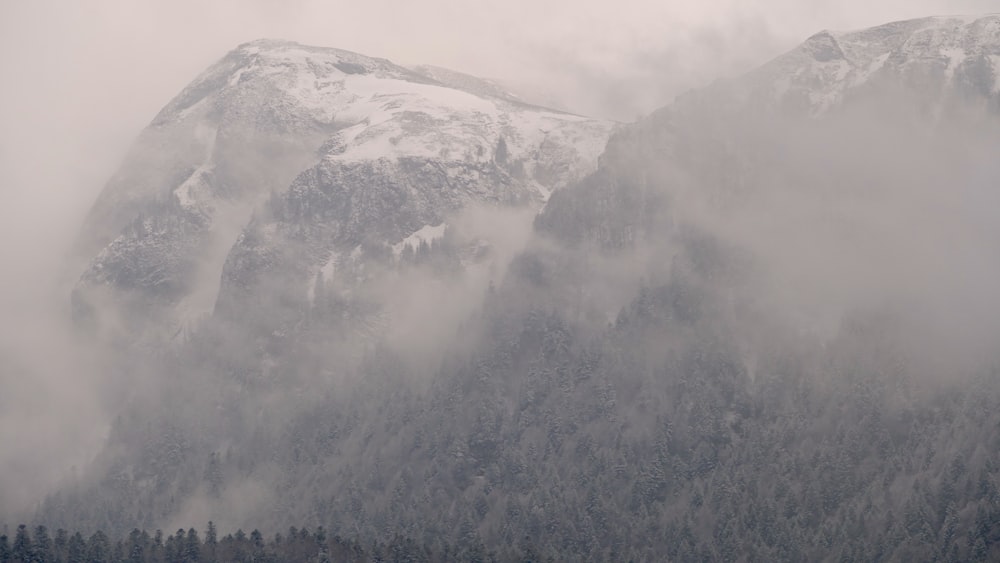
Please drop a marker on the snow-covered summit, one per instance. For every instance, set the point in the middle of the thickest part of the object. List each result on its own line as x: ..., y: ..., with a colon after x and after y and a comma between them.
x: 467, y: 82
x: 422, y: 144
x: 358, y: 108
x: 937, y: 56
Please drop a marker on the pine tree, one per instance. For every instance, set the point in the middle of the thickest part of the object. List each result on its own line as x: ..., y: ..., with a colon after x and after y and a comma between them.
x: 60, y: 544
x: 42, y: 551
x: 213, y: 475
x: 136, y: 549
x: 211, y: 544
x: 156, y: 550
x: 98, y: 548
x: 22, y: 550
x: 257, y: 540
x: 76, y: 549
x: 324, y: 549
x: 192, y: 547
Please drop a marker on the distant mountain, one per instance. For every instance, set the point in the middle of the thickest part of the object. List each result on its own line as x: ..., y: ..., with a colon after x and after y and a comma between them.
x: 944, y: 59
x: 917, y: 76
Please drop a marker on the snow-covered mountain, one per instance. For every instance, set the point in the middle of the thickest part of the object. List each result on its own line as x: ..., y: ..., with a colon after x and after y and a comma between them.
x: 825, y: 134
x: 941, y: 59
x: 652, y: 377
x: 393, y: 150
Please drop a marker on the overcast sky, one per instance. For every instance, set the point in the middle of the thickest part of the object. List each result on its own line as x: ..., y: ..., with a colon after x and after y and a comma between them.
x: 82, y: 78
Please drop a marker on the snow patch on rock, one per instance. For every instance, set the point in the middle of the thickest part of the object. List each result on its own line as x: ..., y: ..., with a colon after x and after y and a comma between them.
x: 426, y: 234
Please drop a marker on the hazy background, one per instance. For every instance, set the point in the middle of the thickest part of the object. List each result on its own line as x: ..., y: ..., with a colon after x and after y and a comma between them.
x: 82, y: 79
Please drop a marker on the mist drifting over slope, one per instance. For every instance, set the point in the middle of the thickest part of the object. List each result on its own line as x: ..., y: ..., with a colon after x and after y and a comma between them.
x: 767, y: 308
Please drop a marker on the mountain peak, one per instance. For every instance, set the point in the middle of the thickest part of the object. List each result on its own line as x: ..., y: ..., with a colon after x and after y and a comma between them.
x: 266, y: 43
x: 293, y: 50
x: 383, y: 150
x: 823, y: 47
x: 940, y: 56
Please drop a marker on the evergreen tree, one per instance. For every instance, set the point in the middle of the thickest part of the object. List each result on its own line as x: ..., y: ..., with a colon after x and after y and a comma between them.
x: 99, y: 548
x: 257, y: 545
x: 213, y: 475
x: 209, y: 554
x: 76, y: 549
x: 192, y: 547
x: 136, y: 546
x: 22, y: 549
x: 157, y: 547
x: 42, y: 551
x: 60, y: 544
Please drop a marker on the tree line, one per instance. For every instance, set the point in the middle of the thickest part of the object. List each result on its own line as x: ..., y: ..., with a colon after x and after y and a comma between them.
x: 189, y: 546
